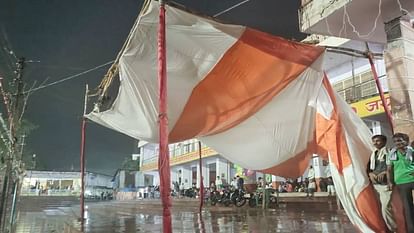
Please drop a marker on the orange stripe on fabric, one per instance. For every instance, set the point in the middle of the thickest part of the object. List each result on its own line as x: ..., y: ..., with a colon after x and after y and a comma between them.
x: 335, y: 142
x: 276, y: 46
x: 243, y: 81
x: 323, y: 126
x: 334, y: 137
x: 369, y: 209
x: 295, y: 166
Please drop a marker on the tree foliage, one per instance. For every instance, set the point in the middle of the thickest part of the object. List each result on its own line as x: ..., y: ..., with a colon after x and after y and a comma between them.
x: 22, y: 131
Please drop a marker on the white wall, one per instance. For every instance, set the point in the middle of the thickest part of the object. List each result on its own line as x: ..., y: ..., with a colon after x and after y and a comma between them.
x: 121, y: 179
x: 139, y: 179
x: 92, y: 179
x: 222, y: 167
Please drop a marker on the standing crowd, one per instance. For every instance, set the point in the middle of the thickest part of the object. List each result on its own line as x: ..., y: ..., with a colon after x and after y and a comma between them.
x: 390, y: 170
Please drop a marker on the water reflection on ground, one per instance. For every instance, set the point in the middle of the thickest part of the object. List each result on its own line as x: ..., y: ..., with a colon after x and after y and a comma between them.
x: 127, y: 217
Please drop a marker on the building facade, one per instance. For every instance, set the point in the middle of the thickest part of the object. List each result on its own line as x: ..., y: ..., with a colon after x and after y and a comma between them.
x: 185, y: 166
x: 387, y: 23
x: 63, y: 183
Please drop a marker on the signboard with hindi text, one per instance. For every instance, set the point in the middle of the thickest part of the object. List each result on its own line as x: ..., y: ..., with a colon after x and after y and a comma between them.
x: 371, y: 106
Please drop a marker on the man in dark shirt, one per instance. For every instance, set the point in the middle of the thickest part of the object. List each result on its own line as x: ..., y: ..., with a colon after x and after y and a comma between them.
x: 378, y: 176
x: 240, y: 182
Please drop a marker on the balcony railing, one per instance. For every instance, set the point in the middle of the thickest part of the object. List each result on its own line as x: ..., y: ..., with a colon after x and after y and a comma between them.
x: 179, y: 156
x: 361, y: 90
x: 178, y: 149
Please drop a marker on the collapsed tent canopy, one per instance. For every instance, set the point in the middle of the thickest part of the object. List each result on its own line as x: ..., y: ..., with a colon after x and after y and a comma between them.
x: 260, y: 101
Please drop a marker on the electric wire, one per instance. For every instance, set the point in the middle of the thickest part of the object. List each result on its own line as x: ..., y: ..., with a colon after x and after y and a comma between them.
x: 69, y: 77
x: 231, y: 8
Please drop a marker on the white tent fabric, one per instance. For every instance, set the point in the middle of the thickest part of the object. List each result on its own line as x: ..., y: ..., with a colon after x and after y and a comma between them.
x: 194, y: 46
x: 259, y: 100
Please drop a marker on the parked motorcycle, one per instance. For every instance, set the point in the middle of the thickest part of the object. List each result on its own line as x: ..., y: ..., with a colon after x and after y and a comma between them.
x: 222, y: 197
x: 259, y: 197
x: 238, y: 198
x: 191, y: 192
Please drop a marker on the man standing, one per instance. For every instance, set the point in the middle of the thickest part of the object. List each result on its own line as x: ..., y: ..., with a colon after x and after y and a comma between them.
x: 240, y: 182
x: 312, y: 182
x: 400, y: 170
x: 378, y: 176
x: 311, y: 173
x: 219, y: 183
x: 233, y: 183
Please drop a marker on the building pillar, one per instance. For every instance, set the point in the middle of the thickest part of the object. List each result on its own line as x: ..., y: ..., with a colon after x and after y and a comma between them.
x: 218, y: 170
x: 228, y: 176
x: 122, y: 179
x: 399, y: 61
x: 186, y: 178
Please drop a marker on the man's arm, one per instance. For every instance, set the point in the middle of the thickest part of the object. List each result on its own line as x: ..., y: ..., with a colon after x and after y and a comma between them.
x: 381, y: 176
x: 390, y: 176
x: 372, y: 177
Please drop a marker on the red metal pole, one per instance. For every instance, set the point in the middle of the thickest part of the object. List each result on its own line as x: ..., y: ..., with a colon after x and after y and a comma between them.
x: 201, y: 178
x: 164, y: 157
x: 381, y: 92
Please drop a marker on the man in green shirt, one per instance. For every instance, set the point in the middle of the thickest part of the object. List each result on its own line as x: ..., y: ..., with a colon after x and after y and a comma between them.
x: 400, y: 169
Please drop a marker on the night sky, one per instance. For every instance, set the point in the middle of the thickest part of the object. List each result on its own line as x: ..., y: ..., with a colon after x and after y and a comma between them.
x: 71, y: 36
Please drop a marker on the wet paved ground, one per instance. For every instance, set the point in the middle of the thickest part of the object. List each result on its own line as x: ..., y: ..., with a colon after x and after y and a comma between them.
x: 145, y: 216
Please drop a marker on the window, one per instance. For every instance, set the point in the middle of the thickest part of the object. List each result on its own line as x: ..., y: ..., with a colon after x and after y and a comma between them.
x: 193, y: 175
x: 348, y: 95
x: 342, y: 94
x: 338, y: 86
x: 368, y: 89
x: 366, y: 77
x: 348, y: 83
x: 186, y: 148
x: 193, y: 146
x: 357, y: 92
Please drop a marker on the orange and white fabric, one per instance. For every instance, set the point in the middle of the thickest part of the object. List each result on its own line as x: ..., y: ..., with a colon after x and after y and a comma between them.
x: 260, y: 101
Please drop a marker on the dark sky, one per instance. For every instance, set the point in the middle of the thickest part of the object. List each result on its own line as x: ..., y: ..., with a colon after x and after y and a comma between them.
x: 70, y: 36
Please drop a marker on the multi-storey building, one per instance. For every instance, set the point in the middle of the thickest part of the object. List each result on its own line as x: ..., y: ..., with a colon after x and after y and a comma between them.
x: 185, y: 166
x: 388, y: 25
